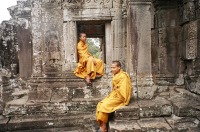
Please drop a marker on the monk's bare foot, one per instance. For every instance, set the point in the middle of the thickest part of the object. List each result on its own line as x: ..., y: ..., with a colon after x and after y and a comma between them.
x: 87, y: 79
x: 103, y: 127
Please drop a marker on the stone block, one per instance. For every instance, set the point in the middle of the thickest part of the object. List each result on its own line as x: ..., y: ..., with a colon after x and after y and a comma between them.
x: 30, y: 122
x: 87, y: 92
x: 66, y: 129
x: 124, y: 126
x: 191, y: 49
x: 183, y: 124
x: 185, y: 104
x: 60, y: 94
x: 194, y: 86
x: 16, y: 107
x: 172, y: 34
x: 130, y: 112
x: 182, y: 109
x: 1, y: 107
x: 154, y: 125
x: 155, y: 108
x: 73, y: 120
x: 88, y: 104
x: 3, y: 124
x: 165, y: 95
x: 163, y: 89
x: 146, y: 92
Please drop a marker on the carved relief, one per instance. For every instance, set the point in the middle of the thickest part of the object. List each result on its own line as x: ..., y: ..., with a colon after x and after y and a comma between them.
x: 198, y: 9
x: 52, y: 49
x: 162, y: 37
x: 86, y: 3
x: 188, y: 11
x: 191, y: 46
x: 191, y: 42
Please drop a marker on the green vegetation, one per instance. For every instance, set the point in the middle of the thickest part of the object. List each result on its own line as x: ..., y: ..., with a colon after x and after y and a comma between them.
x: 93, y: 49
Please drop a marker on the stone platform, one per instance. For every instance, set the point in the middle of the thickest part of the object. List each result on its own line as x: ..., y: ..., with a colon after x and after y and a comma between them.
x: 158, y: 114
x: 179, y: 112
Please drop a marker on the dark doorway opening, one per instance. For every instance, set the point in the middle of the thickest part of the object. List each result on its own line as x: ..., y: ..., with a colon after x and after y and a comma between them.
x: 95, y: 31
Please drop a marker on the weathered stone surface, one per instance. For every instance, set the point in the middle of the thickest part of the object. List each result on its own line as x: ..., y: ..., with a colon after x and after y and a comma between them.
x: 155, y: 108
x: 3, y: 124
x: 129, y: 112
x: 124, y: 126
x: 1, y: 107
x: 180, y: 80
x: 185, y: 103
x: 66, y: 129
x: 20, y: 93
x: 194, y: 86
x: 183, y: 123
x: 154, y: 124
x: 23, y: 123
x: 23, y: 106
x: 16, y: 107
x: 49, y: 122
x: 41, y: 39
x: 182, y: 109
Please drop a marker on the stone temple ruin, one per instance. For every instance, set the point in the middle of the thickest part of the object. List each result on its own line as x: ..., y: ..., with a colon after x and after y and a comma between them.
x: 157, y: 41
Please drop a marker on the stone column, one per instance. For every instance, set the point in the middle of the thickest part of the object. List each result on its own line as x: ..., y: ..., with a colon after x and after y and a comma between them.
x: 117, y: 31
x: 70, y: 42
x: 139, y: 41
x: 47, y: 33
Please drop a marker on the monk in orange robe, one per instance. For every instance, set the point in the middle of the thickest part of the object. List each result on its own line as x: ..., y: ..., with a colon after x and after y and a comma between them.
x: 88, y: 66
x: 119, y: 96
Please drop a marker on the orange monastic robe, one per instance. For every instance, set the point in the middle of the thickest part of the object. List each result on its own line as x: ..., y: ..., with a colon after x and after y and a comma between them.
x: 86, y: 65
x: 117, y: 98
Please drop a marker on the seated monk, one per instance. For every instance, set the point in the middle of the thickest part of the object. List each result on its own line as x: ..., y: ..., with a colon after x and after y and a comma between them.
x: 119, y: 96
x: 88, y: 66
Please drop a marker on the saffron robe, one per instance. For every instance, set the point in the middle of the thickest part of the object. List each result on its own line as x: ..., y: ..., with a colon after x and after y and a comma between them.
x: 86, y: 65
x: 120, y: 96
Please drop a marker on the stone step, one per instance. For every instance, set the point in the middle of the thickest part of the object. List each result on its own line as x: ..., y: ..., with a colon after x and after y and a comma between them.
x: 144, y: 109
x: 33, y: 122
x: 142, y: 125
x: 23, y: 106
x: 183, y: 123
x: 155, y: 124
x: 20, y: 93
x: 67, y: 129
x: 185, y: 104
x: 88, y: 92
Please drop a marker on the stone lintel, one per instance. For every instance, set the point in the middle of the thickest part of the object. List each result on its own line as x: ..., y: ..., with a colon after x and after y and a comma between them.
x: 139, y: 2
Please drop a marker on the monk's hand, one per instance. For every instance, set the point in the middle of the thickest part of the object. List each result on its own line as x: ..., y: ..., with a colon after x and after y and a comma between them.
x: 94, y: 61
x: 114, y: 88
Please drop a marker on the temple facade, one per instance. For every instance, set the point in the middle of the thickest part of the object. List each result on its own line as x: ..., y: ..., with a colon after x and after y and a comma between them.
x: 157, y: 42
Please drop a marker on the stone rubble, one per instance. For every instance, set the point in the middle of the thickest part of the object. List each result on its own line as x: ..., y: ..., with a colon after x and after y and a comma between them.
x: 157, y: 42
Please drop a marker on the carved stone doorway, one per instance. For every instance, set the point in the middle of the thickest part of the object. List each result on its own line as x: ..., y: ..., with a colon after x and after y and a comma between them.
x: 95, y: 30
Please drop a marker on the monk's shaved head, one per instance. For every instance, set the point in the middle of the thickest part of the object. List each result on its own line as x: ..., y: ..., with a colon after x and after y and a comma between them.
x: 80, y: 34
x: 118, y: 64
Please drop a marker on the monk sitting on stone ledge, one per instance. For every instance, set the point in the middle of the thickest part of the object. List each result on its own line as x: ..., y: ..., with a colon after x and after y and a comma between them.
x: 119, y: 96
x: 88, y: 66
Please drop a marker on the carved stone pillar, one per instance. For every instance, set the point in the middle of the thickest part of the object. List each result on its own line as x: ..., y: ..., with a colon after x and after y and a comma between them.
x: 139, y: 39
x: 47, y: 37
x: 70, y: 42
x: 165, y: 41
x: 117, y: 31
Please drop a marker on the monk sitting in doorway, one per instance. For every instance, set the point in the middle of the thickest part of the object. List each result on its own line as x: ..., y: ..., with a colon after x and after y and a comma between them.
x: 119, y: 96
x: 88, y: 66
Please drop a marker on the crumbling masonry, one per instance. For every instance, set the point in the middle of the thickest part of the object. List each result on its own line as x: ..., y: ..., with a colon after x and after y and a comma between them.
x: 157, y: 41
